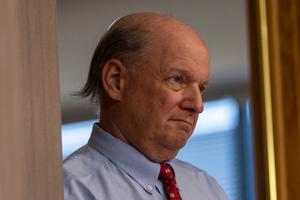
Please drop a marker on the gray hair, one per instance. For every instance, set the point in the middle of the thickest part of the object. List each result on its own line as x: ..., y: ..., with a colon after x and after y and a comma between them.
x: 125, y: 43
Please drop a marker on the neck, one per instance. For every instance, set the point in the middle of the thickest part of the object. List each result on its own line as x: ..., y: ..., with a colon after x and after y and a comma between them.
x: 154, y: 152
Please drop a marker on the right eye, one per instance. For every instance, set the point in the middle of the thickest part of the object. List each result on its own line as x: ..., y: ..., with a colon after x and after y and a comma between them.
x: 178, y: 79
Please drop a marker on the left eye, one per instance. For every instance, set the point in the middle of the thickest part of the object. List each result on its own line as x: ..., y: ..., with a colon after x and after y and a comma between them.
x: 202, y: 88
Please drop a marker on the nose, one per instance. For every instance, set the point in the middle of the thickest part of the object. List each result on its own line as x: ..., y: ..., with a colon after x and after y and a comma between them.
x: 192, y: 99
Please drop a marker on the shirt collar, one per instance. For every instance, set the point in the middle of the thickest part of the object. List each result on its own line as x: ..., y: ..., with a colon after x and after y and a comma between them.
x: 129, y: 159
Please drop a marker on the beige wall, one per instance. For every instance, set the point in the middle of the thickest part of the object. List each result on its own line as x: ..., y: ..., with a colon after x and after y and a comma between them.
x: 30, y: 147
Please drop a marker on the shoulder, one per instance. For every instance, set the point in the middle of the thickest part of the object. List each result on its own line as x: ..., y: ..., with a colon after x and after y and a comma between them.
x: 192, y: 177
x: 86, y: 163
x: 82, y: 162
x: 81, y: 169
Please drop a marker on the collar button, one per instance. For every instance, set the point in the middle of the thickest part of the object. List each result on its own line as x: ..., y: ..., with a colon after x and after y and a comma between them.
x: 149, y: 188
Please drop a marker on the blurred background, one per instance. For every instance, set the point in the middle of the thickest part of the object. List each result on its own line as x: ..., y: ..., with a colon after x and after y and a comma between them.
x: 222, y: 141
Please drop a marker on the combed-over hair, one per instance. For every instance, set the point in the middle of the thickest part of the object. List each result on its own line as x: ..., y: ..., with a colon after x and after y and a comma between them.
x: 126, y: 43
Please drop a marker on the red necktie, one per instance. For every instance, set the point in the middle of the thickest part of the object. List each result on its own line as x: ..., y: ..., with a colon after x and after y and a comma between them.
x: 167, y: 177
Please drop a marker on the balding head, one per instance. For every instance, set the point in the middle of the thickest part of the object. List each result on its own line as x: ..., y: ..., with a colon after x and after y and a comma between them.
x: 149, y: 22
x: 129, y: 39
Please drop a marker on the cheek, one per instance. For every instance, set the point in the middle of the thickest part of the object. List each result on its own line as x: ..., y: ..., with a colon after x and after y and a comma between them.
x: 169, y: 102
x: 160, y: 110
x: 151, y: 100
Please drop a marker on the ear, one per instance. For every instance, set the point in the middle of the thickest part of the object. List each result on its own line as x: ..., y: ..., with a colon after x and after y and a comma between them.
x: 113, y: 78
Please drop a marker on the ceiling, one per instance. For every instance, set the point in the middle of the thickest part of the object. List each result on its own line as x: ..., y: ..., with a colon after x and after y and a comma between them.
x: 222, y: 24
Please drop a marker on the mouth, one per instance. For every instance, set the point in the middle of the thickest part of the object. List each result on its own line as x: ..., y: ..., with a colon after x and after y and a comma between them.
x: 183, y: 125
x: 183, y: 121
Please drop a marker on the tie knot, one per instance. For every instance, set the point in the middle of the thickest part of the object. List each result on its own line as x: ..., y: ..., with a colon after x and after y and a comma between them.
x: 166, y: 173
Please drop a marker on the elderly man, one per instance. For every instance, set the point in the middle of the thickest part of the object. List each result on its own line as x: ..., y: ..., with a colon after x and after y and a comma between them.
x: 147, y: 74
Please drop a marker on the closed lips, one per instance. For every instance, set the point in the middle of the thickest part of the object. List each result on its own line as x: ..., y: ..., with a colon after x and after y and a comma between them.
x: 182, y: 120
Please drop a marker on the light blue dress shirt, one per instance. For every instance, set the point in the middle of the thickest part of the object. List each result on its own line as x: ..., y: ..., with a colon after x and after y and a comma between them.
x: 109, y: 169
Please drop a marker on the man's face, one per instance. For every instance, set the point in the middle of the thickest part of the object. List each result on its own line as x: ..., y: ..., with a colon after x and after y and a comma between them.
x: 162, y: 98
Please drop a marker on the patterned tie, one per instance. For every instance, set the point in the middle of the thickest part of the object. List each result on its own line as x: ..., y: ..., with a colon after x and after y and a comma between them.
x: 167, y: 177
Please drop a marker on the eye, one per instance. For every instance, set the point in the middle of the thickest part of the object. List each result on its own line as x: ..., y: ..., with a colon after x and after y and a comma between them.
x: 202, y: 88
x: 176, y: 79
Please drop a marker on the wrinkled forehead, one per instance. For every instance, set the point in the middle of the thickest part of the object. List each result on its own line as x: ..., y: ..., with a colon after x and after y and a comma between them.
x: 175, y: 35
x: 182, y: 49
x: 179, y: 42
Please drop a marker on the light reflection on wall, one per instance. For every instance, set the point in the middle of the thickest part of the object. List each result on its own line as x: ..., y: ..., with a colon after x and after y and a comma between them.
x: 75, y: 135
x: 218, y: 116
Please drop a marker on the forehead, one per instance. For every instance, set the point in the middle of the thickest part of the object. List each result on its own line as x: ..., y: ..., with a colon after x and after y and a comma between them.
x: 179, y: 40
x: 183, y: 51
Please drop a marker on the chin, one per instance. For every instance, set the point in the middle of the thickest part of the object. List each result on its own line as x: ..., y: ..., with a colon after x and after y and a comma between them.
x: 175, y: 145
x: 181, y: 132
x: 162, y: 157
x: 181, y: 138
x: 168, y: 156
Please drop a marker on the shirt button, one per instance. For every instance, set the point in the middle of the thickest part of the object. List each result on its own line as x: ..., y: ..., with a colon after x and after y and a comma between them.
x: 149, y: 188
